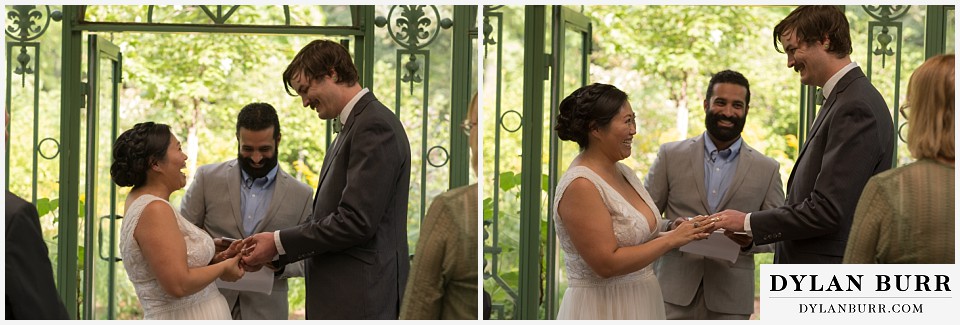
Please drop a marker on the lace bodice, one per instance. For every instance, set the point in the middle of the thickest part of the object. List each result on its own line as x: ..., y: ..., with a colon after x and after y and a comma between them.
x: 629, y: 226
x: 153, y: 298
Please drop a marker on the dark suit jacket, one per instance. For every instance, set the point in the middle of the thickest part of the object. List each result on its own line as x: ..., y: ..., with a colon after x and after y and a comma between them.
x: 851, y: 140
x: 30, y: 290
x: 356, y: 239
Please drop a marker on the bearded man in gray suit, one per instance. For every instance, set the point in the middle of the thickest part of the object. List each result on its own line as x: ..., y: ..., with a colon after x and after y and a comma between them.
x: 700, y: 176
x: 850, y: 141
x: 247, y: 195
x: 355, y: 243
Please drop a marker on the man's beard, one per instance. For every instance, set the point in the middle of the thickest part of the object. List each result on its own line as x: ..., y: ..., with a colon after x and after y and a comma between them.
x: 724, y: 133
x: 246, y: 164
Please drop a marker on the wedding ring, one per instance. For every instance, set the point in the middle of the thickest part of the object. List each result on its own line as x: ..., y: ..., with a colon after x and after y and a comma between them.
x: 715, y: 219
x: 696, y: 225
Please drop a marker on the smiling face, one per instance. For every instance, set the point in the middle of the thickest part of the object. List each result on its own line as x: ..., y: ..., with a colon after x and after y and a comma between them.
x: 258, y: 151
x: 319, y: 95
x: 726, y: 111
x: 616, y: 139
x: 171, y: 167
x: 809, y: 59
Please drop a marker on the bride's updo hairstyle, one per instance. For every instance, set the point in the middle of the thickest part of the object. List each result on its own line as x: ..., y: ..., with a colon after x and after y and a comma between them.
x: 136, y: 150
x: 588, y: 108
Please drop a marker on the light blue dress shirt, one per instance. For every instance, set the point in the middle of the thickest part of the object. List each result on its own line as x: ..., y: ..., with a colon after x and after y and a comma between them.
x: 255, y: 195
x: 718, y: 167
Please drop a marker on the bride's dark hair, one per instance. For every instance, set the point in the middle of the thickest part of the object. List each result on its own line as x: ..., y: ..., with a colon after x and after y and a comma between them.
x: 591, y: 106
x: 136, y: 150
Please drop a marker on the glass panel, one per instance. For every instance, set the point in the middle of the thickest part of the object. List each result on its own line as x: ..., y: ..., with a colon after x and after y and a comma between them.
x: 301, y: 15
x: 413, y: 78
x: 502, y: 118
x: 884, y: 69
x: 101, y: 249
x: 573, y: 59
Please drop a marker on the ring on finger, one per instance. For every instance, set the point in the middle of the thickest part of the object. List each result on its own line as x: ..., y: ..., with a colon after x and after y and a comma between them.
x: 696, y: 224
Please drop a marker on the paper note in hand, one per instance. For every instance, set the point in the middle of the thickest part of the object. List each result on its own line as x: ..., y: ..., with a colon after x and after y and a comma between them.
x: 716, y: 246
x: 260, y: 281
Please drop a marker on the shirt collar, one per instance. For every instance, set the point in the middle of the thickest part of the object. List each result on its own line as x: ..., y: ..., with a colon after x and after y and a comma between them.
x: 345, y: 113
x: 710, y: 147
x: 832, y: 82
x: 272, y: 175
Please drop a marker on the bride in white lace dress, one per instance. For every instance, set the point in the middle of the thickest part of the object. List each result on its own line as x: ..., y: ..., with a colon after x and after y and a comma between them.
x: 606, y: 222
x: 171, y: 262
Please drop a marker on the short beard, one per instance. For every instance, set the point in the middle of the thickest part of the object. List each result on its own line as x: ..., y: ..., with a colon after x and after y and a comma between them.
x: 721, y: 133
x: 268, y: 163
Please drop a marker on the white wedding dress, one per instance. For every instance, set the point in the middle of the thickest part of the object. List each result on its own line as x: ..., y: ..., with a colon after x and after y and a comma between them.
x: 208, y: 303
x: 635, y: 295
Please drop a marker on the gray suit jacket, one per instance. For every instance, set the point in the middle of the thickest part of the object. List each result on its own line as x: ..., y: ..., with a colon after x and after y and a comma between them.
x: 213, y: 203
x: 676, y: 184
x: 356, y: 241
x: 851, y: 140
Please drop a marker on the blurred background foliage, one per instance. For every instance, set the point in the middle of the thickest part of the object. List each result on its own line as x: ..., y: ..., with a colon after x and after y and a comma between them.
x: 198, y: 82
x: 663, y: 58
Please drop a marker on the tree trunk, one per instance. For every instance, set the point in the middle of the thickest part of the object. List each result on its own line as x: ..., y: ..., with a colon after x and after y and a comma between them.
x: 193, y: 140
x: 683, y: 112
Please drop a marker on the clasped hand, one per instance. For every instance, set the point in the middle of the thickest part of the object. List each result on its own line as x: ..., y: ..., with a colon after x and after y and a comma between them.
x: 240, y: 250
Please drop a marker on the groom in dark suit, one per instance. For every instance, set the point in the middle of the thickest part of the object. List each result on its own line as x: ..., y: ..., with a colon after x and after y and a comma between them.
x: 850, y: 141
x: 355, y: 243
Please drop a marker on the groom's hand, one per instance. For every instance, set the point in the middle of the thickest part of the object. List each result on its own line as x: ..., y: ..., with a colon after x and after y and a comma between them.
x: 263, y: 249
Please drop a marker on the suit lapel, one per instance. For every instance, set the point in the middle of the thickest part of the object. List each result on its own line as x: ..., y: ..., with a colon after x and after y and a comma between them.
x: 744, y: 163
x: 343, y: 136
x: 827, y: 108
x: 278, y: 194
x: 696, y: 164
x: 233, y: 189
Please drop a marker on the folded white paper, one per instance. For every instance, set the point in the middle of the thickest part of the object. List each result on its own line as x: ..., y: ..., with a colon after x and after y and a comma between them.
x: 717, y: 246
x: 260, y: 281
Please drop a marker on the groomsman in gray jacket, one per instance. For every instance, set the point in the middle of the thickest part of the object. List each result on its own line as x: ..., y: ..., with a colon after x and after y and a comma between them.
x: 248, y: 195
x: 701, y: 176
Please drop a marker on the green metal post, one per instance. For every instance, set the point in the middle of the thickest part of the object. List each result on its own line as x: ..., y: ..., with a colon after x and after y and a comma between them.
x: 933, y: 43
x: 363, y: 47
x: 464, y: 20
x: 534, y: 65
x: 71, y: 99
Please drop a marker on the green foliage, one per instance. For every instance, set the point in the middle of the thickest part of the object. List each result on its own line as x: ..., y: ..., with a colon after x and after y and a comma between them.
x: 662, y: 57
x: 197, y: 82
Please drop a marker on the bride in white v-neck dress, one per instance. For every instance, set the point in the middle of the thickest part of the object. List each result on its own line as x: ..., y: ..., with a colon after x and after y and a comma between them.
x: 605, y: 220
x: 170, y: 261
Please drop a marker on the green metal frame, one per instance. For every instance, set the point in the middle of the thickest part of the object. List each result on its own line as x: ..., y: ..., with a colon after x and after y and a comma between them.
x: 534, y: 73
x: 73, y: 90
x: 537, y: 67
x: 935, y: 36
x: 537, y: 276
x: 564, y: 19
x: 99, y: 48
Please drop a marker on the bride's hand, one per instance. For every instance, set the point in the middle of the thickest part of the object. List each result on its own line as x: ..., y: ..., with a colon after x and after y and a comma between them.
x: 232, y: 270
x: 233, y: 250
x: 697, y: 228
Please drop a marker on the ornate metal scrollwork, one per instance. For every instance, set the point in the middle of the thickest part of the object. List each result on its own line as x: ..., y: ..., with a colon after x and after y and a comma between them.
x: 488, y: 28
x: 413, y: 30
x: 885, y: 15
x: 26, y: 23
